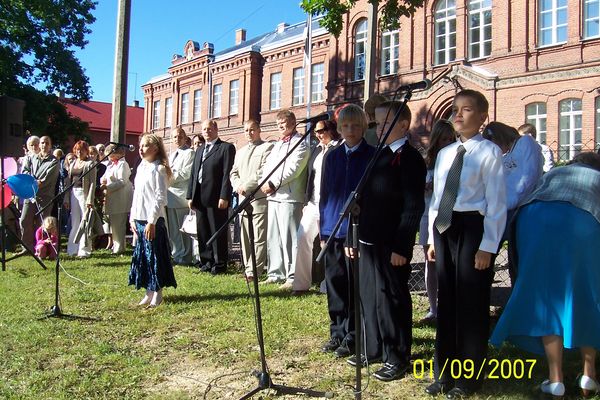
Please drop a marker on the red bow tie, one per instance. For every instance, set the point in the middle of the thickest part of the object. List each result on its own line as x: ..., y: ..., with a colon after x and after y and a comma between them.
x: 115, y: 162
x: 287, y: 138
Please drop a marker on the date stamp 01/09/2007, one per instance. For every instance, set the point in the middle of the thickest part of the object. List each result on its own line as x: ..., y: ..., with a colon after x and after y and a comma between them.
x: 490, y: 368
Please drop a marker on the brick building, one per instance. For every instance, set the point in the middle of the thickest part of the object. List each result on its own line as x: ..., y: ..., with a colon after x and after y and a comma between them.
x: 535, y: 60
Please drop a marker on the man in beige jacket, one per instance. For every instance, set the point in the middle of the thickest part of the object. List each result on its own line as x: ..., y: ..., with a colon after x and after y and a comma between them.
x: 245, y: 176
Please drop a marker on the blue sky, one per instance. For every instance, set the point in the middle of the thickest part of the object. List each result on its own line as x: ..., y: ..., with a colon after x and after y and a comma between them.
x: 161, y: 28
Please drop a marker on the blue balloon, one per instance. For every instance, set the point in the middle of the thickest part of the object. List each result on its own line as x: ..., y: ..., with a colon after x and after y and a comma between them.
x: 23, y: 185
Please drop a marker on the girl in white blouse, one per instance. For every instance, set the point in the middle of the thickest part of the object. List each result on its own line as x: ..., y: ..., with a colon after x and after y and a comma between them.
x: 151, y: 266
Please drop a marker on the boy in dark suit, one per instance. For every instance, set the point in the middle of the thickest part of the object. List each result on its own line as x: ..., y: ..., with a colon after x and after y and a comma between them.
x: 343, y: 168
x: 208, y: 193
x: 391, y: 209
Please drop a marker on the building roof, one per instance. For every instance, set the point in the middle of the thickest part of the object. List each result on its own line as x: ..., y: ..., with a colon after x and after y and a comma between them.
x: 98, y: 115
x: 281, y: 36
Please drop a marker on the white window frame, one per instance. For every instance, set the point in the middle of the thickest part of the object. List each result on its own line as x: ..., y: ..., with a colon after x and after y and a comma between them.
x: 298, y: 86
x: 360, y: 47
x: 445, y: 19
x: 156, y: 114
x: 593, y: 19
x: 197, y: 105
x: 554, y: 27
x: 481, y: 9
x: 234, y: 96
x: 168, y: 111
x: 217, y: 100
x: 275, y: 98
x: 184, y: 107
x: 390, y: 52
x: 536, y: 115
x: 317, y: 82
x: 571, y: 145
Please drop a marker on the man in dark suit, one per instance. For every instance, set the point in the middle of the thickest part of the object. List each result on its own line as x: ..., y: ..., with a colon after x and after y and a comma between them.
x: 209, y: 192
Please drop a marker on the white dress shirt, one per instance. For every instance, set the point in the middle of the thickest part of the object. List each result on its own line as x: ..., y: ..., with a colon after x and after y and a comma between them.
x: 522, y: 170
x: 396, y: 144
x: 150, y: 192
x: 481, y: 188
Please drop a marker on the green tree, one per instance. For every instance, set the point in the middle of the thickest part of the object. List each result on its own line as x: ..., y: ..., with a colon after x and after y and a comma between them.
x: 333, y: 12
x: 37, y: 59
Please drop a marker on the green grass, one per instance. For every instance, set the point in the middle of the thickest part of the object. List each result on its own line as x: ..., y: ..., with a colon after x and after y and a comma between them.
x: 200, y: 343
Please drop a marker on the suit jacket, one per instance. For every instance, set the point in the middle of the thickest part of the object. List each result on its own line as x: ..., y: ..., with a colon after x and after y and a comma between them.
x: 46, y: 171
x: 247, y: 170
x: 393, y: 200
x: 310, y: 168
x: 289, y: 179
x: 88, y: 183
x: 181, y: 166
x: 119, y: 190
x: 215, y: 175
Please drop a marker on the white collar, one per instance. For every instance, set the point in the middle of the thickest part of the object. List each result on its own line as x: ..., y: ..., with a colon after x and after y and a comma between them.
x: 395, y: 145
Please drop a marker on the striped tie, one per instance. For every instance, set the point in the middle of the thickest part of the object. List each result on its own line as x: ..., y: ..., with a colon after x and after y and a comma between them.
x: 444, y: 217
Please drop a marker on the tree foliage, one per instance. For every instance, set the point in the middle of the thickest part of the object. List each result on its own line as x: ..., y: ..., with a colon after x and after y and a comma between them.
x: 38, y: 39
x: 333, y: 12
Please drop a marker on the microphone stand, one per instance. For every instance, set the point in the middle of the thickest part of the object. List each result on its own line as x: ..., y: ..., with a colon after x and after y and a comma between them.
x: 352, y: 208
x: 263, y: 376
x: 55, y: 310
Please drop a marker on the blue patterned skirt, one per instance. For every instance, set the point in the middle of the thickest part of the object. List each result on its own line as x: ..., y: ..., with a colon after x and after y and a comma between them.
x: 151, y: 266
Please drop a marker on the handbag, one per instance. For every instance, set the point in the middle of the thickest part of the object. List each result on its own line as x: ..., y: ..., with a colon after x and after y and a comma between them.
x: 189, y: 224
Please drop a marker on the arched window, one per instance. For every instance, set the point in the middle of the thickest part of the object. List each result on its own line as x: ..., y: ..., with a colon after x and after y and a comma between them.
x: 571, y: 116
x: 480, y: 28
x: 445, y: 31
x: 360, y: 46
x: 535, y: 114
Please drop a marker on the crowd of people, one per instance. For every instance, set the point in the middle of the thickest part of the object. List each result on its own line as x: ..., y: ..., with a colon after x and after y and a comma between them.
x: 477, y: 186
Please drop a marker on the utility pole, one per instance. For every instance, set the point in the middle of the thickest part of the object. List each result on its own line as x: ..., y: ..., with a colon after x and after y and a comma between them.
x: 119, y: 106
x: 370, y: 50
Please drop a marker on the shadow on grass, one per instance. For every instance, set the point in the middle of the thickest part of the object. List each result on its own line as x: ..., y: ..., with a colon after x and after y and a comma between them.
x: 192, y: 298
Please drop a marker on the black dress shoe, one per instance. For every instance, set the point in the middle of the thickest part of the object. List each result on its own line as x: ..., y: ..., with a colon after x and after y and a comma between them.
x: 391, y: 372
x: 436, y: 388
x: 218, y: 269
x: 206, y: 267
x: 458, y: 393
x: 344, y: 350
x: 363, y: 360
x: 331, y: 345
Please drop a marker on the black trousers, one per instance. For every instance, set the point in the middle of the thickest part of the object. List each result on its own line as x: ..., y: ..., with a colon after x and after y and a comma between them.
x: 340, y: 292
x: 387, y: 305
x: 463, y: 300
x: 208, y: 220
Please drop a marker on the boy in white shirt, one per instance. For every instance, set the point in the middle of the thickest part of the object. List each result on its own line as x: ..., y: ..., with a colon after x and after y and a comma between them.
x: 467, y: 216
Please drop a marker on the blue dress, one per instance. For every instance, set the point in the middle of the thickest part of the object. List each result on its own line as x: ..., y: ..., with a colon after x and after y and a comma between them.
x: 151, y: 266
x: 558, y: 288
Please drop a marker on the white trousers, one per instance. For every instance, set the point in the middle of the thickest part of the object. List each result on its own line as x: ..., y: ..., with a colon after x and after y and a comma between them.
x: 181, y: 243
x: 282, y: 228
x: 78, y: 208
x: 117, y: 224
x: 307, y: 233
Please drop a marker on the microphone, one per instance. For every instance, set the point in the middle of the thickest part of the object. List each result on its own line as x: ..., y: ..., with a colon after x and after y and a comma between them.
x: 421, y: 85
x: 320, y: 117
x: 129, y: 147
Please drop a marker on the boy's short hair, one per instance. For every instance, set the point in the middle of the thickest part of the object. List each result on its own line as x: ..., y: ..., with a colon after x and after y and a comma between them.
x: 372, y: 103
x: 528, y: 129
x: 480, y: 101
x: 394, y: 106
x: 352, y: 113
x: 287, y: 115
